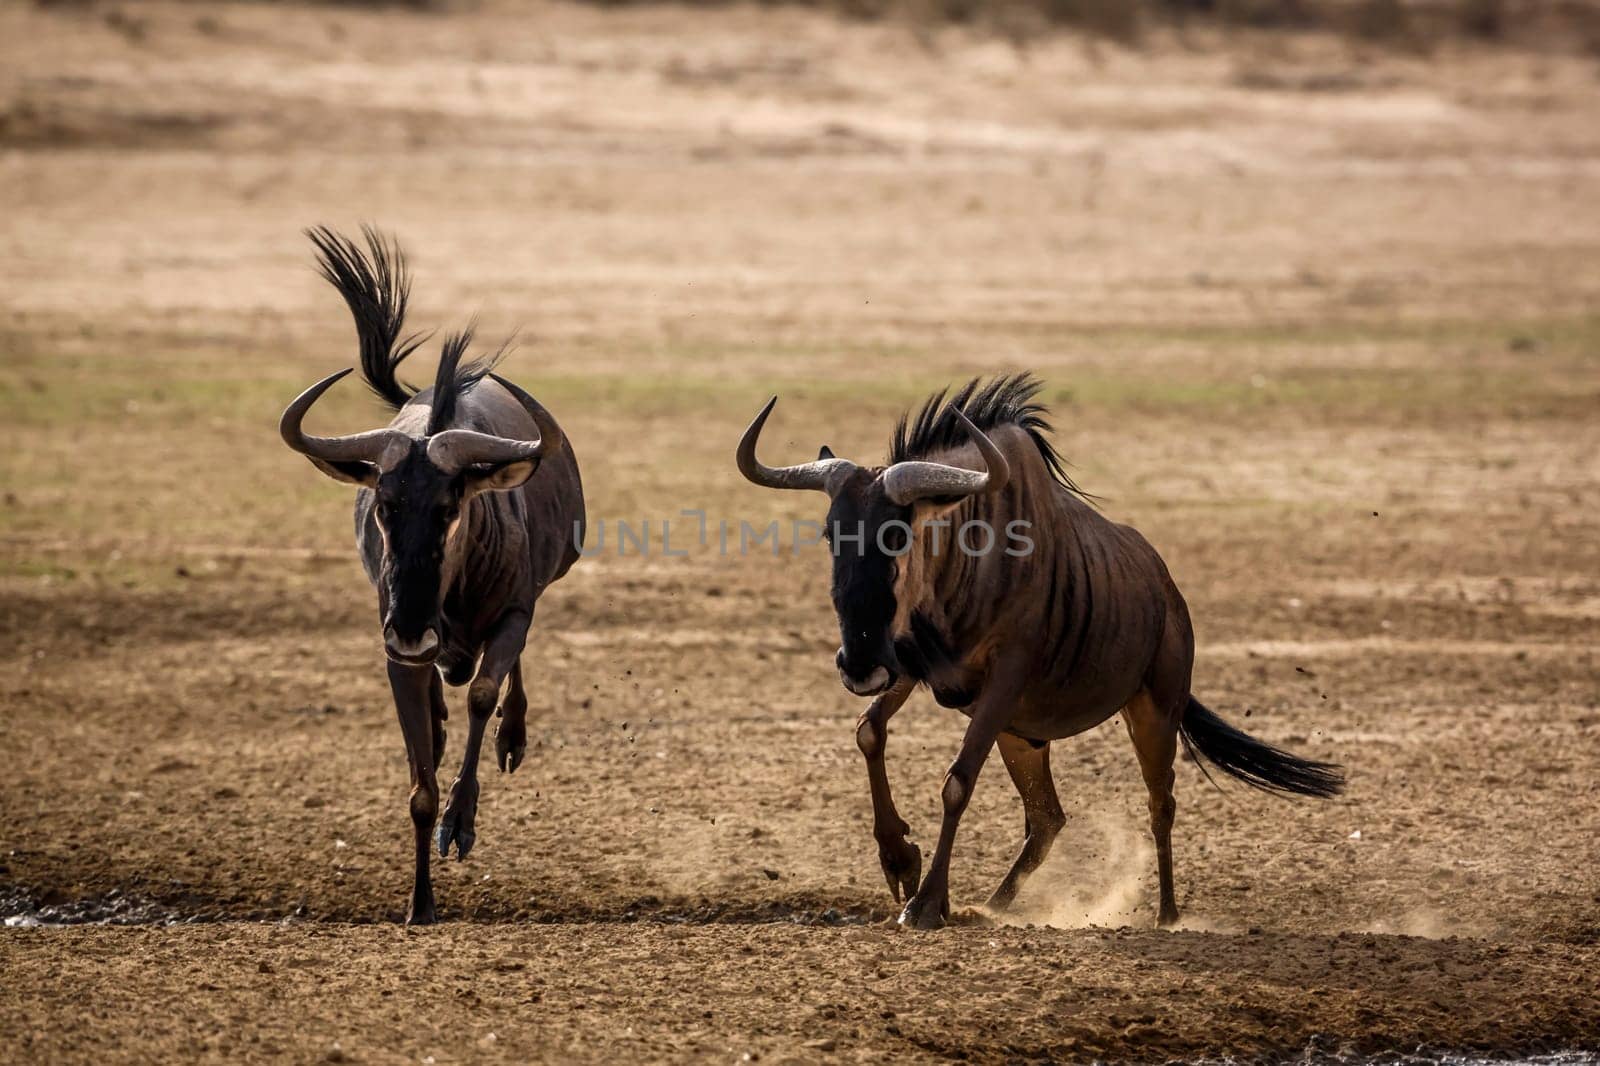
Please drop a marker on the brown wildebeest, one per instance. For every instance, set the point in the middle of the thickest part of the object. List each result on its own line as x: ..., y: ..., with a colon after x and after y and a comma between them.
x: 1043, y: 623
x: 455, y: 531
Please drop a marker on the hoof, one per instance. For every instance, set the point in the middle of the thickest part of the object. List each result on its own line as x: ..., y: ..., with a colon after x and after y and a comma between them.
x: 925, y: 912
x: 462, y: 838
x: 421, y: 911
x: 457, y: 824
x: 510, y: 745
x: 902, y: 868
x: 1001, y: 901
x: 1167, y: 918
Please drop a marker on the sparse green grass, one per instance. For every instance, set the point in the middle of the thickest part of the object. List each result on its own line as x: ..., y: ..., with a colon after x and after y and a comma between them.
x: 1438, y: 365
x: 1337, y: 394
x: 36, y: 569
x: 1576, y: 337
x: 119, y: 445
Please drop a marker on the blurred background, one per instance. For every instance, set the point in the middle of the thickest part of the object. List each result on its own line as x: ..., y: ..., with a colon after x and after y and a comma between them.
x: 1312, y: 286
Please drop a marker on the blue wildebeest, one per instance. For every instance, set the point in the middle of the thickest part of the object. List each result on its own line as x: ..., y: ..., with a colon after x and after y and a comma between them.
x: 973, y: 565
x: 455, y: 530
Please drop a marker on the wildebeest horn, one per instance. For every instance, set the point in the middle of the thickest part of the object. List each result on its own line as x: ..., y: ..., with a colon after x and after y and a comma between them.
x: 550, y: 436
x: 914, y: 480
x: 805, y: 476
x: 456, y: 449
x: 381, y: 447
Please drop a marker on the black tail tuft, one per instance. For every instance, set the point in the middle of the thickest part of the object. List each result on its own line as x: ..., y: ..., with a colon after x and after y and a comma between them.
x: 375, y: 285
x: 1258, y: 765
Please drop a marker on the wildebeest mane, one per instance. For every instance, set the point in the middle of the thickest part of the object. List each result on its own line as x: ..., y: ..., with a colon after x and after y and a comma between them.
x: 454, y: 378
x: 375, y: 285
x: 1006, y: 400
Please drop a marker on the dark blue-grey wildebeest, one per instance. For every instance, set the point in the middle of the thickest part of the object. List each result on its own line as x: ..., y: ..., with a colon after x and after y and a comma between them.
x: 470, y: 505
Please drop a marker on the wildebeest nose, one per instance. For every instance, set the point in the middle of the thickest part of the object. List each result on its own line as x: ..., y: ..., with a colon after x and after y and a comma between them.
x: 423, y: 648
x: 878, y: 679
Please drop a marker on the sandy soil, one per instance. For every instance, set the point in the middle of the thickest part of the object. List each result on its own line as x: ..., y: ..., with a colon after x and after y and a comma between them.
x: 1318, y: 319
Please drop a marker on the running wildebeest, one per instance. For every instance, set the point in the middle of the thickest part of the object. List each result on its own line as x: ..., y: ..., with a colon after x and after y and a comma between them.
x: 455, y: 531
x: 972, y: 564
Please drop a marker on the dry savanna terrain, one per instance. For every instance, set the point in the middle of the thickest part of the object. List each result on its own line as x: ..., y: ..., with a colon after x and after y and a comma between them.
x: 1317, y: 316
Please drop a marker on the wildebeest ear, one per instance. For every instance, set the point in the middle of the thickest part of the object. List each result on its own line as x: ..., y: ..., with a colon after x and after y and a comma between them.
x: 351, y: 471
x: 499, y: 478
x: 825, y: 453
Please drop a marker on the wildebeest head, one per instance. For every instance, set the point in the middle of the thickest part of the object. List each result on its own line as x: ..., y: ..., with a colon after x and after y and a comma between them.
x: 420, y: 487
x: 871, y: 518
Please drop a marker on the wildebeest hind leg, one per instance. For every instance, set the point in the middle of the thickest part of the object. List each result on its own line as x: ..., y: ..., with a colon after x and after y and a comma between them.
x: 500, y: 653
x: 511, y: 735
x: 1029, y: 766
x: 1155, y: 738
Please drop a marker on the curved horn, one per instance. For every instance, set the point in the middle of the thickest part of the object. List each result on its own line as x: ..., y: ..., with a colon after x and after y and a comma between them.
x: 455, y: 449
x: 381, y: 447
x: 550, y: 436
x: 909, y: 482
x: 805, y: 476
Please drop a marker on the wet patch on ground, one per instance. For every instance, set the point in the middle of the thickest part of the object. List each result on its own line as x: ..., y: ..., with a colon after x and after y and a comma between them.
x: 24, y: 910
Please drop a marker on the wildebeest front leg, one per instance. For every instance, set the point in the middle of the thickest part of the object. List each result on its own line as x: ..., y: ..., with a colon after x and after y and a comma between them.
x: 901, y: 860
x: 499, y: 656
x: 413, y: 704
x: 1029, y: 766
x: 929, y: 908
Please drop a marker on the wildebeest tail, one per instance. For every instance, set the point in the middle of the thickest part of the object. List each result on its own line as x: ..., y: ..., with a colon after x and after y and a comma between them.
x: 375, y: 285
x: 1257, y: 764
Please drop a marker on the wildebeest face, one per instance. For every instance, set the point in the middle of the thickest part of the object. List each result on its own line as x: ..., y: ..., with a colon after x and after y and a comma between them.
x: 869, y: 529
x: 416, y: 508
x: 868, y: 534
x: 419, y: 488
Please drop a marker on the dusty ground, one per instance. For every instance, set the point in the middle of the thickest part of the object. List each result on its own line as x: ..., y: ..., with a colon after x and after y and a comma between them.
x: 1320, y: 321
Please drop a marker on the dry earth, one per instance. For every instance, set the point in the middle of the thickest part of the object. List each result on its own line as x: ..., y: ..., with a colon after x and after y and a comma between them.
x: 1318, y: 319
